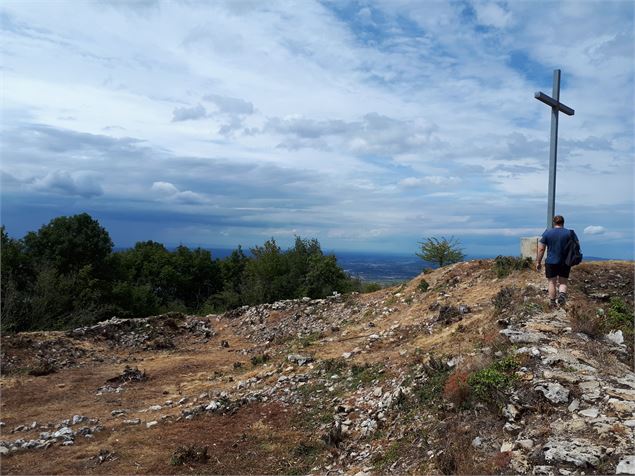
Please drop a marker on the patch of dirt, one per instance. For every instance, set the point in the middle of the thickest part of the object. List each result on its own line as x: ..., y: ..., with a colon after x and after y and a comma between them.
x: 255, y: 440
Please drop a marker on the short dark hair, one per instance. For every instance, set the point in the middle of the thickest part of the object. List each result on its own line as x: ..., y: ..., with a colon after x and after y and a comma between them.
x: 558, y: 220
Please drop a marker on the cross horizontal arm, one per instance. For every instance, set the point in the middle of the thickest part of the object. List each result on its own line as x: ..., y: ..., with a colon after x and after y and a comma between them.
x: 549, y: 101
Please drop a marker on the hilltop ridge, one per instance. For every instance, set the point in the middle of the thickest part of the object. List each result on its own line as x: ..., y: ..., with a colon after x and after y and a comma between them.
x: 461, y: 370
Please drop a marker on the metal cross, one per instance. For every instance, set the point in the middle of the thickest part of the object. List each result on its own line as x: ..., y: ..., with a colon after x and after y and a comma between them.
x: 556, y: 106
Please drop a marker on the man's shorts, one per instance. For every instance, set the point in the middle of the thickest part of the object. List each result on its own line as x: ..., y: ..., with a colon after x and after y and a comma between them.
x: 553, y: 270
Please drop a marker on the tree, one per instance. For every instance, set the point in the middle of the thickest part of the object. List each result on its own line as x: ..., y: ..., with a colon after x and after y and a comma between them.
x: 16, y: 281
x: 67, y: 244
x: 441, y: 251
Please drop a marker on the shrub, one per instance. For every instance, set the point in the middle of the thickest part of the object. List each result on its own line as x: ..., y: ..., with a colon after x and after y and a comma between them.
x: 423, y: 286
x: 333, y: 366
x: 432, y: 389
x: 457, y: 388
x: 489, y: 383
x: 619, y: 316
x: 189, y: 454
x: 259, y: 359
x: 371, y: 287
x: 504, y: 299
x: 504, y: 265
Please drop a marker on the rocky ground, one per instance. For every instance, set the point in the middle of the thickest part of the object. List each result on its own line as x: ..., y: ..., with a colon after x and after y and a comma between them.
x: 469, y: 373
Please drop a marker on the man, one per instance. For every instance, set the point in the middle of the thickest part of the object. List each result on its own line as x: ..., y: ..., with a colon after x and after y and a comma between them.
x: 557, y: 272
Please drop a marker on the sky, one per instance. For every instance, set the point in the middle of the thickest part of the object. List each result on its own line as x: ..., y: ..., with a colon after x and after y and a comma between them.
x: 369, y: 125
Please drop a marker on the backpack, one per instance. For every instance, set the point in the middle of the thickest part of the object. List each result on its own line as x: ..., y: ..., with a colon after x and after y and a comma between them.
x: 572, y: 253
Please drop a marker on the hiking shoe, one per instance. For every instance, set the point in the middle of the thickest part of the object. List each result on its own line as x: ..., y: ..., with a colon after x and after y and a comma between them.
x: 562, y: 299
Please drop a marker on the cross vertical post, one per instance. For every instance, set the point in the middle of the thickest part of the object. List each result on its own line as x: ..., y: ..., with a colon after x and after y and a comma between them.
x: 556, y: 107
x: 553, y: 151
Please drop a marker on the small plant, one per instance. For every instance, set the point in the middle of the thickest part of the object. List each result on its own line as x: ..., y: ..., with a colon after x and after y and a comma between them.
x: 423, y: 286
x: 304, y: 450
x: 489, y: 383
x: 431, y: 390
x: 43, y: 368
x: 364, y: 374
x: 388, y: 458
x: 619, y: 316
x: 189, y: 454
x: 310, y: 339
x: 504, y: 299
x: 457, y: 389
x: 333, y: 366
x: 501, y: 460
x: 505, y: 265
x: 260, y: 359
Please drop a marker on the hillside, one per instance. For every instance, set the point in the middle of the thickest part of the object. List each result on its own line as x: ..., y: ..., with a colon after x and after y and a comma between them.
x: 473, y: 375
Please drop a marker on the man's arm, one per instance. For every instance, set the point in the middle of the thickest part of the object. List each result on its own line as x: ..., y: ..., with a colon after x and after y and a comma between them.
x: 539, y: 255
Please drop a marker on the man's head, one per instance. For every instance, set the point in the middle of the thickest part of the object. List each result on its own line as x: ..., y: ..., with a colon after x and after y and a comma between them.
x: 558, y: 220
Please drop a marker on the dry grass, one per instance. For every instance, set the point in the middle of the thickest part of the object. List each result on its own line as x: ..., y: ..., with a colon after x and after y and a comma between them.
x: 584, y: 319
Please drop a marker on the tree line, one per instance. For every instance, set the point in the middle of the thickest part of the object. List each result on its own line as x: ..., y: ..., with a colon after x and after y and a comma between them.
x: 66, y: 275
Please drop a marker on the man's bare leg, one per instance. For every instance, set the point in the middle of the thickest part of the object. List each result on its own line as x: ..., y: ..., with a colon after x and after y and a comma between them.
x: 552, y: 288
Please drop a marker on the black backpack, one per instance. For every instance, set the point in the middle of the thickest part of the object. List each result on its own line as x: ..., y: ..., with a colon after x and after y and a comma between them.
x: 572, y: 253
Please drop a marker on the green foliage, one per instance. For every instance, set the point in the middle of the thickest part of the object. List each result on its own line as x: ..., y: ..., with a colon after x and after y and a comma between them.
x: 489, y: 383
x: 442, y: 252
x: 504, y: 265
x: 485, y: 383
x: 68, y: 244
x: 619, y: 316
x: 259, y: 359
x: 423, y: 286
x: 392, y: 454
x: 431, y: 390
x: 66, y: 274
x: 371, y: 287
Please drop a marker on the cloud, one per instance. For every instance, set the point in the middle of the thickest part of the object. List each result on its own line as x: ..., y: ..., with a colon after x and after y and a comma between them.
x: 429, y: 180
x: 83, y: 184
x: 594, y: 230
x: 168, y: 191
x: 374, y: 133
x: 188, y: 113
x: 492, y: 14
x: 230, y: 105
x: 165, y: 188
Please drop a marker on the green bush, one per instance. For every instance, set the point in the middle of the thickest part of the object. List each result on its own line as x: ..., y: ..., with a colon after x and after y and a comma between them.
x: 259, y: 359
x: 423, y: 286
x: 371, y: 287
x: 504, y: 265
x: 489, y: 383
x: 619, y: 316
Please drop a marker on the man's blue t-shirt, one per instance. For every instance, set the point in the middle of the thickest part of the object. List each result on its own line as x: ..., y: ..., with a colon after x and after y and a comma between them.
x: 556, y: 240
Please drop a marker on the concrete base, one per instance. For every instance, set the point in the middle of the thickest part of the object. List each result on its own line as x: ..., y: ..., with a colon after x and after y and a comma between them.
x: 529, y: 247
